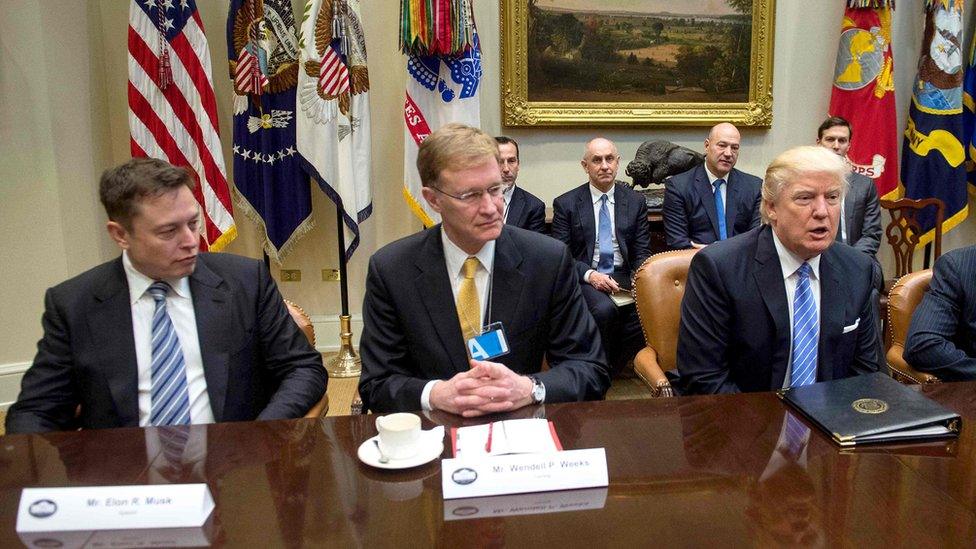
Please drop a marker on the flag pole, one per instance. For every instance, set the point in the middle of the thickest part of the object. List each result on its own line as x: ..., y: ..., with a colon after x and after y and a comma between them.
x: 346, y: 362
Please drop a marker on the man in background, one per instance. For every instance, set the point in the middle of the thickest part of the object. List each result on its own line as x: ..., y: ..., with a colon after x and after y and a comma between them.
x: 713, y: 201
x: 522, y: 208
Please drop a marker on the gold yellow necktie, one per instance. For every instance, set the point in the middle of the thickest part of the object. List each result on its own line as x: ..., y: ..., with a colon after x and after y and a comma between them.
x: 468, y: 306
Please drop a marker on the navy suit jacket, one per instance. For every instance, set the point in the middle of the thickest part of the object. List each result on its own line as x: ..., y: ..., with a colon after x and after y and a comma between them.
x: 735, y: 331
x: 411, y: 332
x: 257, y: 363
x: 689, y: 207
x: 574, y: 224
x: 525, y: 211
x: 942, y: 336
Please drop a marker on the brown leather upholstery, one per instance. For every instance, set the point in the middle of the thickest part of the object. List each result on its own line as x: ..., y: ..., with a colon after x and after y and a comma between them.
x: 905, y: 295
x: 659, y: 286
x: 305, y: 324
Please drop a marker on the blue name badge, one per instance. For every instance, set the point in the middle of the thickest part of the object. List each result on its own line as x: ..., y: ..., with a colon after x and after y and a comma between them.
x: 490, y: 344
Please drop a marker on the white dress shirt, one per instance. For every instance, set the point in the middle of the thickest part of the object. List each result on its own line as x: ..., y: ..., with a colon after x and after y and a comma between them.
x: 454, y: 258
x: 618, y: 259
x: 179, y: 306
x: 712, y: 178
x: 507, y: 195
x: 790, y: 263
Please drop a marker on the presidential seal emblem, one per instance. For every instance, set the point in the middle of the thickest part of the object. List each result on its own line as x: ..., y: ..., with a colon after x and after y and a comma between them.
x: 869, y: 406
x: 42, y: 508
x: 464, y: 475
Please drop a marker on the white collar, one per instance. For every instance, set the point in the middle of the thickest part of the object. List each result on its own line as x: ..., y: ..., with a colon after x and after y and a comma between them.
x: 596, y: 193
x: 789, y: 262
x: 139, y: 283
x: 712, y: 177
x: 455, y: 256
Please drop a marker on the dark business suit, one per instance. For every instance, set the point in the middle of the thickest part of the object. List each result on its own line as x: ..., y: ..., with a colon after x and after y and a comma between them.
x: 574, y: 223
x: 862, y: 220
x: 689, y: 207
x: 256, y: 362
x: 411, y: 332
x: 526, y: 211
x: 942, y: 336
x: 735, y: 331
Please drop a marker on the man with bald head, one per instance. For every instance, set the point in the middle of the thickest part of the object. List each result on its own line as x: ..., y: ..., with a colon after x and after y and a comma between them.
x: 605, y: 226
x: 713, y: 201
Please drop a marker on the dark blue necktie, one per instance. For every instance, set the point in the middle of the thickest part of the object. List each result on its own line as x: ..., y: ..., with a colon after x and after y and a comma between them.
x: 720, y: 209
x: 806, y: 331
x: 605, y: 265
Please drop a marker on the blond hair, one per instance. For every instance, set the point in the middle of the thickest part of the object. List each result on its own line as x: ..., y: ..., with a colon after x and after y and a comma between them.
x: 453, y: 146
x: 799, y: 162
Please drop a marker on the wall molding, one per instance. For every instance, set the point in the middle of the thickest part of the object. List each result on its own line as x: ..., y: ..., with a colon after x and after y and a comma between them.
x: 10, y: 375
x: 327, y: 332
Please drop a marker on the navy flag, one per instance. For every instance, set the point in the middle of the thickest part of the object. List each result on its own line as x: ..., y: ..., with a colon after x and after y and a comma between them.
x: 263, y: 56
x: 932, y: 164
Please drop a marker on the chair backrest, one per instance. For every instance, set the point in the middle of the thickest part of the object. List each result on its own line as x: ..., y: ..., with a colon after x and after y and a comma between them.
x: 659, y: 286
x: 904, y: 229
x: 303, y: 320
x: 905, y: 295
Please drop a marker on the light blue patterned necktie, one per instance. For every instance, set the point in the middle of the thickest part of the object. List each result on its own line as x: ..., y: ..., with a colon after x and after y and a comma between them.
x: 723, y: 232
x: 170, y: 396
x: 806, y: 331
x: 605, y: 265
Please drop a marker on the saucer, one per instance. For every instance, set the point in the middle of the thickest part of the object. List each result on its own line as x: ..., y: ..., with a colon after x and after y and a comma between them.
x: 431, y: 446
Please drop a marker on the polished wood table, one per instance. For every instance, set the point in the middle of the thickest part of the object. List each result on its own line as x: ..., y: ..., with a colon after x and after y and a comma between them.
x: 688, y: 472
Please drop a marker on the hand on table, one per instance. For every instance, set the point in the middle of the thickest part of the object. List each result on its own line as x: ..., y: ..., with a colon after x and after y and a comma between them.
x: 487, y: 388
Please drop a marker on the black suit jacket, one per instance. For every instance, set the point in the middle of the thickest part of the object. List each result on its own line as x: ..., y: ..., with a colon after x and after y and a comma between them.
x: 411, y: 333
x: 942, y: 336
x: 257, y: 363
x: 735, y: 325
x: 862, y: 214
x: 689, y: 207
x: 574, y: 224
x: 525, y: 211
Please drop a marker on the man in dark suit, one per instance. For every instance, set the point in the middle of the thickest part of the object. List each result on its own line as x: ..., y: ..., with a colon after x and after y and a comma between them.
x: 694, y: 200
x: 164, y: 335
x: 522, y: 208
x: 782, y: 305
x: 429, y: 294
x: 942, y: 336
x: 605, y: 226
x: 860, y: 224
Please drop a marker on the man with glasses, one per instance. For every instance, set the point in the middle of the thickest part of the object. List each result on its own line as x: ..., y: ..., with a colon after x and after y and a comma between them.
x: 432, y: 298
x: 605, y: 226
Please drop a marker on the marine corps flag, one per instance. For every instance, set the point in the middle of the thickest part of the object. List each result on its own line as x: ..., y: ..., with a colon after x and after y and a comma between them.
x: 263, y: 56
x: 443, y: 75
x: 932, y: 164
x: 864, y: 92
x: 333, y: 118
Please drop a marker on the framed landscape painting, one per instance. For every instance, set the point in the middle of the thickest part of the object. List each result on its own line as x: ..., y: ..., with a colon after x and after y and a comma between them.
x: 637, y: 62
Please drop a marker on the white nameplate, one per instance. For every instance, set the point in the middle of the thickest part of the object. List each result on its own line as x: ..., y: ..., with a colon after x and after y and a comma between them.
x: 113, y: 507
x: 523, y: 473
x: 525, y: 504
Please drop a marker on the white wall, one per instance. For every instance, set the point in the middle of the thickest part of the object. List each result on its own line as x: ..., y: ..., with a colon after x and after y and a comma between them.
x: 62, y: 94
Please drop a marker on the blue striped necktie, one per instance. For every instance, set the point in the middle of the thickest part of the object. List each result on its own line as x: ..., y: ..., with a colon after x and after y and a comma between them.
x: 806, y: 331
x: 170, y: 397
x: 723, y: 232
x: 605, y: 265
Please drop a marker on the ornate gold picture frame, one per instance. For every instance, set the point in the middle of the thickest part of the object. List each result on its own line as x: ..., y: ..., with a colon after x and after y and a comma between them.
x: 636, y: 62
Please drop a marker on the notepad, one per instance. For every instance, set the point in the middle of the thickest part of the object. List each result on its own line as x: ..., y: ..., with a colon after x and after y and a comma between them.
x: 514, y: 436
x: 621, y: 298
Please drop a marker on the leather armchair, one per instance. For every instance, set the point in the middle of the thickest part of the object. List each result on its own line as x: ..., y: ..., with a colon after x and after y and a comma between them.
x: 305, y: 324
x: 659, y: 285
x: 904, y: 296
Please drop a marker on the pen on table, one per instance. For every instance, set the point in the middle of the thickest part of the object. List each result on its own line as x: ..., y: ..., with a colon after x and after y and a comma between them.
x: 491, y: 427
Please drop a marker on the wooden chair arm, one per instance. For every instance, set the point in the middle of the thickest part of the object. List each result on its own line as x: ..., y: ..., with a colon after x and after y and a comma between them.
x: 903, y: 372
x: 650, y: 372
x: 320, y: 409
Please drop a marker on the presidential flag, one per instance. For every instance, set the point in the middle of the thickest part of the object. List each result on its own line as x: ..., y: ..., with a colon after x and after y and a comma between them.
x: 864, y: 94
x: 441, y: 87
x: 273, y: 190
x: 333, y: 121
x: 933, y: 156
x: 172, y: 107
x: 969, y: 118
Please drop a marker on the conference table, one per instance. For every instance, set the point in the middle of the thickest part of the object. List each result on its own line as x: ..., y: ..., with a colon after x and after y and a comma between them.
x: 686, y: 471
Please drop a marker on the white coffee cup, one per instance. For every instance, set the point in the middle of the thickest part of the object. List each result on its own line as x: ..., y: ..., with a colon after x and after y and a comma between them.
x: 399, y: 435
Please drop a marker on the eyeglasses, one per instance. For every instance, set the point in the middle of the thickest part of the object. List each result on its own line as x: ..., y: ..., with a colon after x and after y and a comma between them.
x: 473, y: 197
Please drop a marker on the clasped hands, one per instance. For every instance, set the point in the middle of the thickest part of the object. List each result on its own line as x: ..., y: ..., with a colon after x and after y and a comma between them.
x: 487, y: 388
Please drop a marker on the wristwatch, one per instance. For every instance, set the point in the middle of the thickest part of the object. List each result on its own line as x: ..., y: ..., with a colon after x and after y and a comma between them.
x: 538, y: 391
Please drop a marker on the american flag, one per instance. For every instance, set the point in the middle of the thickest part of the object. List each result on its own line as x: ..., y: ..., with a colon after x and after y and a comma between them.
x: 248, y: 77
x: 334, y: 76
x: 172, y: 107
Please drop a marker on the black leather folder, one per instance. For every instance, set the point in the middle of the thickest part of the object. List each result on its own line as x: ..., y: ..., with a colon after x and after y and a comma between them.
x: 872, y: 408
